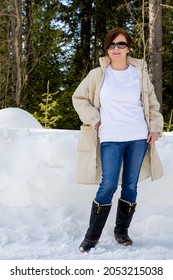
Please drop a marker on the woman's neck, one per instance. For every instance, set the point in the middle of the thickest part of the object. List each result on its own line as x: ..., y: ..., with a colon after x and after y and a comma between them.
x: 119, y: 65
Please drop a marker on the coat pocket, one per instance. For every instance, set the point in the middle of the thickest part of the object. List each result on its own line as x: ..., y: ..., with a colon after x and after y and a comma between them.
x: 86, y: 155
x: 87, y: 139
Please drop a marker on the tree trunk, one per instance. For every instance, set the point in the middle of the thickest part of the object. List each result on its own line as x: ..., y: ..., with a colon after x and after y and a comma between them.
x: 86, y: 33
x: 155, y: 46
x: 16, y: 44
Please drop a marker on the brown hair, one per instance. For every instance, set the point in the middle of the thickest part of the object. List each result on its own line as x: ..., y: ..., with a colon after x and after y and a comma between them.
x: 112, y: 34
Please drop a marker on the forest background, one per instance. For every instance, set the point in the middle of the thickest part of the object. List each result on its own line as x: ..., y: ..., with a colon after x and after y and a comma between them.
x: 48, y: 47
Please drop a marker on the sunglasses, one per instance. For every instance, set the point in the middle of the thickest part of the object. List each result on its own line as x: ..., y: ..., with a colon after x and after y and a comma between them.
x: 120, y: 45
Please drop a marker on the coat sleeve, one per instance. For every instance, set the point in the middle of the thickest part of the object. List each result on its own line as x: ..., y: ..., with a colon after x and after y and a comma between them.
x: 88, y: 114
x: 155, y: 117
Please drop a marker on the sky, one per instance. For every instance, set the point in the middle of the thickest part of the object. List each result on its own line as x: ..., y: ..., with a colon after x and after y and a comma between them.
x: 44, y: 213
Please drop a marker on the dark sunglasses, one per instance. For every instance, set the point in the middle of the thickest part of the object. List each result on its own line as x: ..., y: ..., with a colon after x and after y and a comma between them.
x: 120, y: 45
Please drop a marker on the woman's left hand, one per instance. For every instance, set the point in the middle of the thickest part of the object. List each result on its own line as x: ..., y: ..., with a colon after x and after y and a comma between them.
x: 97, y: 125
x: 152, y: 137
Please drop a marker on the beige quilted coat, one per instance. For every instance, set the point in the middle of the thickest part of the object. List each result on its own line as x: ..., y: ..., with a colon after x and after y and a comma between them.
x: 86, y: 102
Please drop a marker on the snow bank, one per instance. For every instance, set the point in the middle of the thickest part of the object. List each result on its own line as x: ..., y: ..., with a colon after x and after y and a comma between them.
x: 44, y: 214
x: 17, y: 118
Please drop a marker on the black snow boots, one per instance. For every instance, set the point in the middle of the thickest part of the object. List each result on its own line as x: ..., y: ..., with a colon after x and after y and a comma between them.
x: 125, y: 211
x: 98, y: 217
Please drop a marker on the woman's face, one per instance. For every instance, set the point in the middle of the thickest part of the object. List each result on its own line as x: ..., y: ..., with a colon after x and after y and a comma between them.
x: 118, y: 53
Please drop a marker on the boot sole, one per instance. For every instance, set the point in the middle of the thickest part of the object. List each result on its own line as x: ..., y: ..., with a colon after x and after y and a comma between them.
x: 86, y: 246
x: 125, y: 243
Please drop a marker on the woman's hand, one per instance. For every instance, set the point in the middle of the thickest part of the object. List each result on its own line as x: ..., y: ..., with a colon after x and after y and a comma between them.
x: 97, y: 125
x: 152, y: 137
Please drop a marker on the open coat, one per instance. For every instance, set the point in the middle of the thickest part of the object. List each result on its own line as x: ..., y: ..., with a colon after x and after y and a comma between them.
x: 86, y: 101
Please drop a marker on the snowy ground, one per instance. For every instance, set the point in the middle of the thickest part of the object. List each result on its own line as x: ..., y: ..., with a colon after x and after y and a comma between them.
x: 44, y: 213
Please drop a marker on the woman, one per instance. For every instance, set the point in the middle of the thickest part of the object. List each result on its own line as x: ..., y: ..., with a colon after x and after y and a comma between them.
x: 117, y: 101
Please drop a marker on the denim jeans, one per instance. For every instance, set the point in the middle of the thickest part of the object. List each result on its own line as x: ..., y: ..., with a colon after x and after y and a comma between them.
x: 113, y: 155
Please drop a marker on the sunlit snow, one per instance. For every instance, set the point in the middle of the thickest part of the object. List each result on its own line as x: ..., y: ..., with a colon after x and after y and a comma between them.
x: 44, y: 213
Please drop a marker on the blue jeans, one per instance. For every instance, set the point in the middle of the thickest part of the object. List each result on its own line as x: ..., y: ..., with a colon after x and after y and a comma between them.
x: 113, y: 155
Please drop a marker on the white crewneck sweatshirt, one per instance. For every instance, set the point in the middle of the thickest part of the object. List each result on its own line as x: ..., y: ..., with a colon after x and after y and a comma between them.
x: 122, y: 116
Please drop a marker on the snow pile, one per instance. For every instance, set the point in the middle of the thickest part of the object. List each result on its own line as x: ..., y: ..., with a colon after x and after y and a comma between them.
x: 17, y: 118
x: 44, y: 213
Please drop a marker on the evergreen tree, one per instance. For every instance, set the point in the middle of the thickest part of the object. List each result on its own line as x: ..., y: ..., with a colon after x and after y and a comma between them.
x: 61, y: 41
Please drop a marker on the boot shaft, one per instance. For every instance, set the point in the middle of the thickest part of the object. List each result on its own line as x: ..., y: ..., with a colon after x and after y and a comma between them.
x: 125, y: 211
x: 98, y: 218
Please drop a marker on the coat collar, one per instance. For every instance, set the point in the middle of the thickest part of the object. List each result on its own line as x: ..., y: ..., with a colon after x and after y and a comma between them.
x: 105, y: 61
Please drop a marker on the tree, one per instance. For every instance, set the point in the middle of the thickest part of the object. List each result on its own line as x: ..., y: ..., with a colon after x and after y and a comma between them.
x: 11, y: 19
x: 155, y: 46
x: 61, y: 41
x: 30, y: 51
x: 167, y: 23
x: 15, y: 37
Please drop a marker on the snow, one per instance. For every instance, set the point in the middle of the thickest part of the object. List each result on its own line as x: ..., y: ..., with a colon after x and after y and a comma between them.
x: 17, y: 118
x: 44, y: 213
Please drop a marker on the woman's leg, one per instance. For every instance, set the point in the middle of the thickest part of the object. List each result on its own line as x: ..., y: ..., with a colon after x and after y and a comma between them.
x: 111, y: 159
x: 132, y: 161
